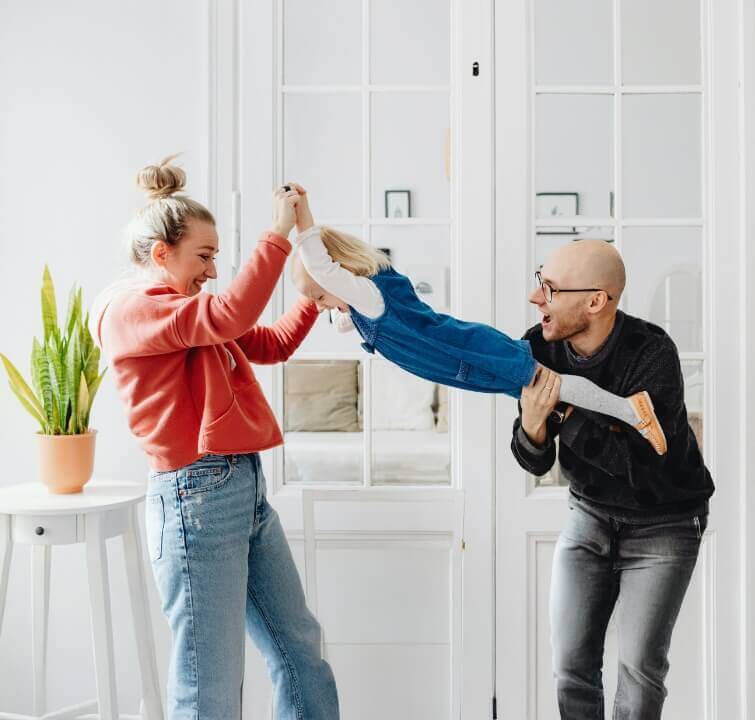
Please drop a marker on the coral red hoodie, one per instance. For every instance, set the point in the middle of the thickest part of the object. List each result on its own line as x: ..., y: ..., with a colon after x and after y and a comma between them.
x: 181, y: 364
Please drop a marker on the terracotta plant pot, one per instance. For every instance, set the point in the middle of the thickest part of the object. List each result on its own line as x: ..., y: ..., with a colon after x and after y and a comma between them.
x: 66, y: 462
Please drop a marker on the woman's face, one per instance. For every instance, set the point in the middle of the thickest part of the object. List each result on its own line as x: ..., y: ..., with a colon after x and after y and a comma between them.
x: 189, y: 264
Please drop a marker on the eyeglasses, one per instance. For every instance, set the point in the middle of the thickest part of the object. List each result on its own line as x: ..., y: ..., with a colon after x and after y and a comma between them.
x: 549, y: 290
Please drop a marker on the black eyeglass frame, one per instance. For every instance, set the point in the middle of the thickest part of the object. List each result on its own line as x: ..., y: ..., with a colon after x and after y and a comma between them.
x: 551, y: 290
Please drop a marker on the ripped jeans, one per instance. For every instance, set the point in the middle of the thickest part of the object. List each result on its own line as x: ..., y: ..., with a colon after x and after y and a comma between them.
x: 222, y: 562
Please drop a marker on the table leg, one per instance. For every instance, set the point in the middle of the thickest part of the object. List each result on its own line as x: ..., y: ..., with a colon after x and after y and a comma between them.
x: 6, y: 550
x: 40, y: 593
x: 145, y: 644
x: 102, y: 624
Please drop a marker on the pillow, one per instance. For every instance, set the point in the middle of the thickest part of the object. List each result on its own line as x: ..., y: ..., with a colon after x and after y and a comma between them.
x: 400, y: 401
x: 320, y: 396
x: 442, y: 412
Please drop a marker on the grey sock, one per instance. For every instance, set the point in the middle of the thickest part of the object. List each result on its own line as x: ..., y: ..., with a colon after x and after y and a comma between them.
x: 581, y: 392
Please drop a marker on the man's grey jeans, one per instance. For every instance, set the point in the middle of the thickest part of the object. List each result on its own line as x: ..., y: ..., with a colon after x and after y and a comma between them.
x: 641, y: 570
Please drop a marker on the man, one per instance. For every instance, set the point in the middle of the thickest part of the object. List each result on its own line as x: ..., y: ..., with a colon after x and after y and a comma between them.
x: 636, y: 520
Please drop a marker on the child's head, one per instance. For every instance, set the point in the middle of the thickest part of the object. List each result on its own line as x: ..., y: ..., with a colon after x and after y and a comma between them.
x: 350, y: 253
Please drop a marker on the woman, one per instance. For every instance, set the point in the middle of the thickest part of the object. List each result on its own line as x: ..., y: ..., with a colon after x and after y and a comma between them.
x: 180, y: 359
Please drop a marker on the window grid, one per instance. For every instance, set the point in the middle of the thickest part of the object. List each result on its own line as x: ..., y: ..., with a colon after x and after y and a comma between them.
x: 367, y: 90
x: 618, y: 222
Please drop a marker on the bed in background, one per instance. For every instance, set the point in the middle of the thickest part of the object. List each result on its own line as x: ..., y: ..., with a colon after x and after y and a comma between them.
x: 324, y: 440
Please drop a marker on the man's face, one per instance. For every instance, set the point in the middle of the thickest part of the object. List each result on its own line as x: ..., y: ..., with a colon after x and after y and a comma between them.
x: 566, y: 315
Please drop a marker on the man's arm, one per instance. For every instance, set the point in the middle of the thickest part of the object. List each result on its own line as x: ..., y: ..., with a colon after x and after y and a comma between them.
x: 535, y: 459
x: 532, y: 442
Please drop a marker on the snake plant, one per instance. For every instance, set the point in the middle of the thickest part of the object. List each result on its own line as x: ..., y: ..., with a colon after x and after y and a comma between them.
x: 64, y: 368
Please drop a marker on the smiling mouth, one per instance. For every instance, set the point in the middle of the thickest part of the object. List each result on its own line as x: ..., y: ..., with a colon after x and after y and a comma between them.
x: 546, y: 319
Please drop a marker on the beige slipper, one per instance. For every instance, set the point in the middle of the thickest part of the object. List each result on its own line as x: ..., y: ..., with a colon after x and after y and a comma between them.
x: 648, y: 426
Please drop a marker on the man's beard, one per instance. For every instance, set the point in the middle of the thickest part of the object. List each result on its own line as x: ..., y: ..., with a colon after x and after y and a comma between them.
x: 567, y: 328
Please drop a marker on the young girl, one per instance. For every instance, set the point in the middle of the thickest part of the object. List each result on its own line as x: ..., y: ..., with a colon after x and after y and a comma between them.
x: 343, y: 273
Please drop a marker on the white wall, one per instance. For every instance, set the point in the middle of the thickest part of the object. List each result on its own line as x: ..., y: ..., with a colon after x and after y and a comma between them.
x: 89, y: 93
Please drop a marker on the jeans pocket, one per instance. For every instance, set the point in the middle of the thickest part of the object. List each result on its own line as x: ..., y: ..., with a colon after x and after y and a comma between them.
x: 154, y: 521
x: 208, y: 473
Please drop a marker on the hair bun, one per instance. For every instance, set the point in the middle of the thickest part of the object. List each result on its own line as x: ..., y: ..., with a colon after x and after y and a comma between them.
x: 163, y: 180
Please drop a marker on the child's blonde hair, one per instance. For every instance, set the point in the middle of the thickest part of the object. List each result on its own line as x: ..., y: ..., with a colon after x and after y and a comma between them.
x: 353, y: 254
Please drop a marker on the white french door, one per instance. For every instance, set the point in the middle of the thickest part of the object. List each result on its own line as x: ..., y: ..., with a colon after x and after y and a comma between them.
x: 383, y: 111
x: 628, y: 107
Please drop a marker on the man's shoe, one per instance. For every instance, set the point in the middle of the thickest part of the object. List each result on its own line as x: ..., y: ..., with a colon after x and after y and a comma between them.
x: 648, y: 426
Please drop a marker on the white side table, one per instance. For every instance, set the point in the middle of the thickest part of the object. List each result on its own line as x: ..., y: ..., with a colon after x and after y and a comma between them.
x: 30, y: 514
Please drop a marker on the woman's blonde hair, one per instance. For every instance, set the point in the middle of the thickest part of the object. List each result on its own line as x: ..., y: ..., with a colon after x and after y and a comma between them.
x: 166, y: 214
x: 353, y: 254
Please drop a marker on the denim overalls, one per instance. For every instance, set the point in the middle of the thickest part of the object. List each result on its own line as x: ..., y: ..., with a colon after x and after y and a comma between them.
x: 440, y: 348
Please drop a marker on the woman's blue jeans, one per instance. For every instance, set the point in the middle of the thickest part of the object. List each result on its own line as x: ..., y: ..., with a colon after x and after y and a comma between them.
x: 221, y: 562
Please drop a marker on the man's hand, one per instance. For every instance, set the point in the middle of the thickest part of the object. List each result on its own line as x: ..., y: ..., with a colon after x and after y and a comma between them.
x: 304, y: 219
x: 538, y: 400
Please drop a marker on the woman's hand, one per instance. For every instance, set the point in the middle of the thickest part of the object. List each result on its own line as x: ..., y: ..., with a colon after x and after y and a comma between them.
x: 538, y: 400
x: 304, y: 219
x: 284, y: 210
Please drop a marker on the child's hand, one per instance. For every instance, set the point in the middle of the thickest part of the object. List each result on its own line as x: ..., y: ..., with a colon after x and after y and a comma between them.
x: 304, y: 219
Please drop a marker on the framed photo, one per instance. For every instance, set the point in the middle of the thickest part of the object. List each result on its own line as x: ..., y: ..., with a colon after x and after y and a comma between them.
x: 398, y: 204
x: 553, y: 205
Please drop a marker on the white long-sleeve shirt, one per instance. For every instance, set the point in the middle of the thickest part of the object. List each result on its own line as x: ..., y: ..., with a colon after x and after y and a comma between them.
x: 359, y: 292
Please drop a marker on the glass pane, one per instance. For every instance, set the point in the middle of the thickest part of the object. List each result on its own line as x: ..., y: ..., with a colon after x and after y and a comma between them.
x: 574, y: 149
x: 546, y: 244
x: 422, y: 252
x: 553, y: 478
x: 408, y: 142
x: 694, y: 380
x: 323, y: 338
x: 322, y: 42
x: 573, y: 42
x: 661, y: 156
x: 410, y: 439
x: 324, y: 442
x: 325, y: 131
x: 664, y: 281
x: 410, y: 42
x: 660, y: 42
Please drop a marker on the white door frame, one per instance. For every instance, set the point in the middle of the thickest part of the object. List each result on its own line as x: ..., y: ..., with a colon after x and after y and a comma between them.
x: 747, y: 271
x: 236, y: 100
x: 730, y: 542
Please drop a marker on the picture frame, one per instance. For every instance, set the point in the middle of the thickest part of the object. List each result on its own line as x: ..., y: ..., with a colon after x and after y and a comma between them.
x: 555, y: 204
x: 398, y: 204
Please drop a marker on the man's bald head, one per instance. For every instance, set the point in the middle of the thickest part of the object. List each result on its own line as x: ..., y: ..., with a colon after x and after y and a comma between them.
x: 587, y: 264
x: 594, y: 273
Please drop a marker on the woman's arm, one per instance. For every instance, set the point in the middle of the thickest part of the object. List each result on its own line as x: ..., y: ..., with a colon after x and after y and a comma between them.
x: 160, y: 320
x: 206, y: 319
x: 267, y: 345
